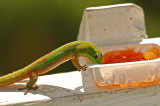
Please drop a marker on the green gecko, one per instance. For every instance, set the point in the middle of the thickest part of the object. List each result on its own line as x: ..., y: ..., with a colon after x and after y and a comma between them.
x: 70, y: 51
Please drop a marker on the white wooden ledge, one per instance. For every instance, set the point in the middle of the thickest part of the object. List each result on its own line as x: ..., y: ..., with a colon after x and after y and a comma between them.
x: 50, y: 87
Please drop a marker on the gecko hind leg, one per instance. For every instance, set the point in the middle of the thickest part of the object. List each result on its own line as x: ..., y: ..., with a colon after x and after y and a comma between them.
x: 33, y: 78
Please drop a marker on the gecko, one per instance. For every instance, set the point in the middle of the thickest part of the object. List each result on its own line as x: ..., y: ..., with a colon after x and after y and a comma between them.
x: 70, y: 51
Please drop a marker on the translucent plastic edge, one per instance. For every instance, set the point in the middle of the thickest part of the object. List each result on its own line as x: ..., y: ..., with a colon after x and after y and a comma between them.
x: 125, y: 63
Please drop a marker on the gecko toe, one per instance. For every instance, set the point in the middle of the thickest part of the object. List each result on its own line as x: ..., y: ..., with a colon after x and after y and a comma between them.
x: 26, y: 89
x: 25, y: 92
x: 84, y: 67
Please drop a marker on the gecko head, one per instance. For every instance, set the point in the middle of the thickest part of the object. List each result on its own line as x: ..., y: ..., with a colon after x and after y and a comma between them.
x: 90, y: 51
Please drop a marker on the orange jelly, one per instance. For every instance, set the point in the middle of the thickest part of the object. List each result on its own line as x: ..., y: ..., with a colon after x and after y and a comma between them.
x: 129, y: 55
x: 120, y: 56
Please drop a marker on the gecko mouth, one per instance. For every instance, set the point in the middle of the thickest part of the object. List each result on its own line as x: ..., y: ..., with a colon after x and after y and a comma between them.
x: 100, y: 62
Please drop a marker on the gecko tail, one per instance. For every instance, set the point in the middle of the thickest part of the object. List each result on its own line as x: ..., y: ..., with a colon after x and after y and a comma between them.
x: 12, y: 78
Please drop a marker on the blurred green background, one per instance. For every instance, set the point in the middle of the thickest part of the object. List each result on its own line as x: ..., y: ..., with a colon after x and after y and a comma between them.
x: 31, y: 28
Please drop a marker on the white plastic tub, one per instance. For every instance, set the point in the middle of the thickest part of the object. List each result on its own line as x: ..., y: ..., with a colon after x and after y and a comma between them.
x: 128, y: 74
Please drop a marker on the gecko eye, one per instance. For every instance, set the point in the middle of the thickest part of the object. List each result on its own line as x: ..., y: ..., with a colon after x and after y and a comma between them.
x: 96, y: 57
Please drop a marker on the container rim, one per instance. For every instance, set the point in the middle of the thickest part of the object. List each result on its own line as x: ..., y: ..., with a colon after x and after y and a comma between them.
x: 123, y: 64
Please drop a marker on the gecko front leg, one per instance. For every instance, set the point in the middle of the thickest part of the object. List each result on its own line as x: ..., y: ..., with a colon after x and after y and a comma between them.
x: 77, y: 65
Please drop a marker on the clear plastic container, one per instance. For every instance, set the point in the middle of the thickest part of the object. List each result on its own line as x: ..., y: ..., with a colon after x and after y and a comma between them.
x: 129, y: 74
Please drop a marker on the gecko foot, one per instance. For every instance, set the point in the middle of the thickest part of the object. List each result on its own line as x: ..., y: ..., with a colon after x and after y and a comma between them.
x: 33, y: 88
x: 83, y: 68
x: 26, y: 89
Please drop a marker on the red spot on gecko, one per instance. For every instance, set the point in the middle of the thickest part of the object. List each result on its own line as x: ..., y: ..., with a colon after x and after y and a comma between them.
x: 39, y: 62
x: 44, y: 59
x: 49, y: 53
